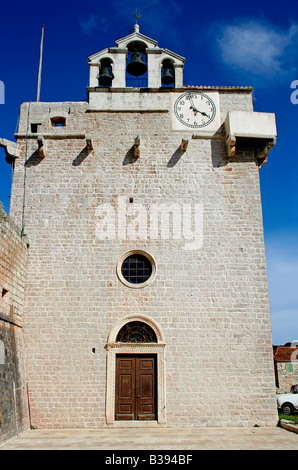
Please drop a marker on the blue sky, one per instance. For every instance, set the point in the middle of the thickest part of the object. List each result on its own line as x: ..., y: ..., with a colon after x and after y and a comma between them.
x: 225, y: 43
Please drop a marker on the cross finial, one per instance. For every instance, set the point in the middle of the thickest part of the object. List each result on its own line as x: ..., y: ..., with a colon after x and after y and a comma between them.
x: 137, y: 15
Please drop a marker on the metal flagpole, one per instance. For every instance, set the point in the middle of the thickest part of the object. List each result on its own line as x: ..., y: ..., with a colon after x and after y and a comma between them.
x: 40, y: 64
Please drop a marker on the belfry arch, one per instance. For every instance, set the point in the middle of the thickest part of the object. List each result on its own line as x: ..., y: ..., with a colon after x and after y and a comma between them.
x: 135, y: 336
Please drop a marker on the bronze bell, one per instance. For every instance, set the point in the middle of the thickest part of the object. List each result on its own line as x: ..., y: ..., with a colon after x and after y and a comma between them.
x: 168, y: 77
x: 136, y: 65
x: 105, y: 78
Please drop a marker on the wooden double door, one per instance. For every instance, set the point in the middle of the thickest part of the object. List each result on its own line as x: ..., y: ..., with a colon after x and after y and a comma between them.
x: 136, y: 390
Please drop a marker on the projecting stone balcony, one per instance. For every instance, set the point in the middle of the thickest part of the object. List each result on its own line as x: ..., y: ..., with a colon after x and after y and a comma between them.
x: 250, y: 129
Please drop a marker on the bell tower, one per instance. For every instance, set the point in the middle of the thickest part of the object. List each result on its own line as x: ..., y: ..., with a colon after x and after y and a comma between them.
x: 146, y: 277
x: 136, y: 61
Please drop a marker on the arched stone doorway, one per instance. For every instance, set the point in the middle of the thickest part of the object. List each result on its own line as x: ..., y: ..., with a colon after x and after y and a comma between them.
x: 135, y: 372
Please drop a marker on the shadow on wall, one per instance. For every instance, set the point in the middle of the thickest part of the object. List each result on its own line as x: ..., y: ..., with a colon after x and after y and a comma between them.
x: 82, y: 156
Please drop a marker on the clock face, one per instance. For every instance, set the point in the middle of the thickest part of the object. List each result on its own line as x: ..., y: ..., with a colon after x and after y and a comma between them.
x: 194, y: 109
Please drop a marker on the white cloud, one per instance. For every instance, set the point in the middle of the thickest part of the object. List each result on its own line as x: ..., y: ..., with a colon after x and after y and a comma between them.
x: 89, y: 24
x: 94, y: 22
x: 257, y: 48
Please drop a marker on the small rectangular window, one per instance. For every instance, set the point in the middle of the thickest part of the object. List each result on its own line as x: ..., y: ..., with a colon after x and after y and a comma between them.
x: 35, y: 127
x: 58, y: 121
x: 289, y: 367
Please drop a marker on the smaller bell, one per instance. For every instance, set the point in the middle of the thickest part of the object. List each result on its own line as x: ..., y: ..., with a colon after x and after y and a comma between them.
x: 167, y: 77
x: 105, y: 78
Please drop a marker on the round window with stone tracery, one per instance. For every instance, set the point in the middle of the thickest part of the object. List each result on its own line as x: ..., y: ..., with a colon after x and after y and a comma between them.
x: 136, y: 269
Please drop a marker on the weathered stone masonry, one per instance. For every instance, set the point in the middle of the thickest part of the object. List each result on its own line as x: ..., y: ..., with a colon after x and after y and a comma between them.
x: 74, y: 296
x: 14, y: 416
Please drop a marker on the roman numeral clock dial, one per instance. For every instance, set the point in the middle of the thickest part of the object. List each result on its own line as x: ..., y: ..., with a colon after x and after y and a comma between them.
x: 195, y: 110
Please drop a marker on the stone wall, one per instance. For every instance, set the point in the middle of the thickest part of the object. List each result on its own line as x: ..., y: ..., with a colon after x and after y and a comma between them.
x: 13, y: 397
x: 211, y: 303
x: 287, y: 373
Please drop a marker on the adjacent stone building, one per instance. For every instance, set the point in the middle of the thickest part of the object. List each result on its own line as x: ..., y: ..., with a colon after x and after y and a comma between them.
x: 286, y: 367
x: 146, y: 296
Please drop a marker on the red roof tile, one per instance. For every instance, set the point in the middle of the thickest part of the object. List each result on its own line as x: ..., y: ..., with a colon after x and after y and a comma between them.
x: 221, y: 88
x: 285, y: 354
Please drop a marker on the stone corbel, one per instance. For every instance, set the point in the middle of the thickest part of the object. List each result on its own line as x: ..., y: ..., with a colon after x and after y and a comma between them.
x: 231, y: 145
x: 11, y: 150
x: 183, y: 145
x: 262, y: 153
x: 41, y: 147
x: 137, y: 147
x: 89, y: 143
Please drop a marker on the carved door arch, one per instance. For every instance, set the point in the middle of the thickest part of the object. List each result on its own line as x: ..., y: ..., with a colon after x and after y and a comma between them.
x: 135, y: 350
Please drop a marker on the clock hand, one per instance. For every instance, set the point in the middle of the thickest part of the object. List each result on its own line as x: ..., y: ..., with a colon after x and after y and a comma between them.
x: 191, y: 102
x: 204, y: 114
x: 197, y: 111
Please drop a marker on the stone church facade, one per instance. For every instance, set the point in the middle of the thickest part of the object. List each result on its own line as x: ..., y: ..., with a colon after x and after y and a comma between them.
x: 146, y: 298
